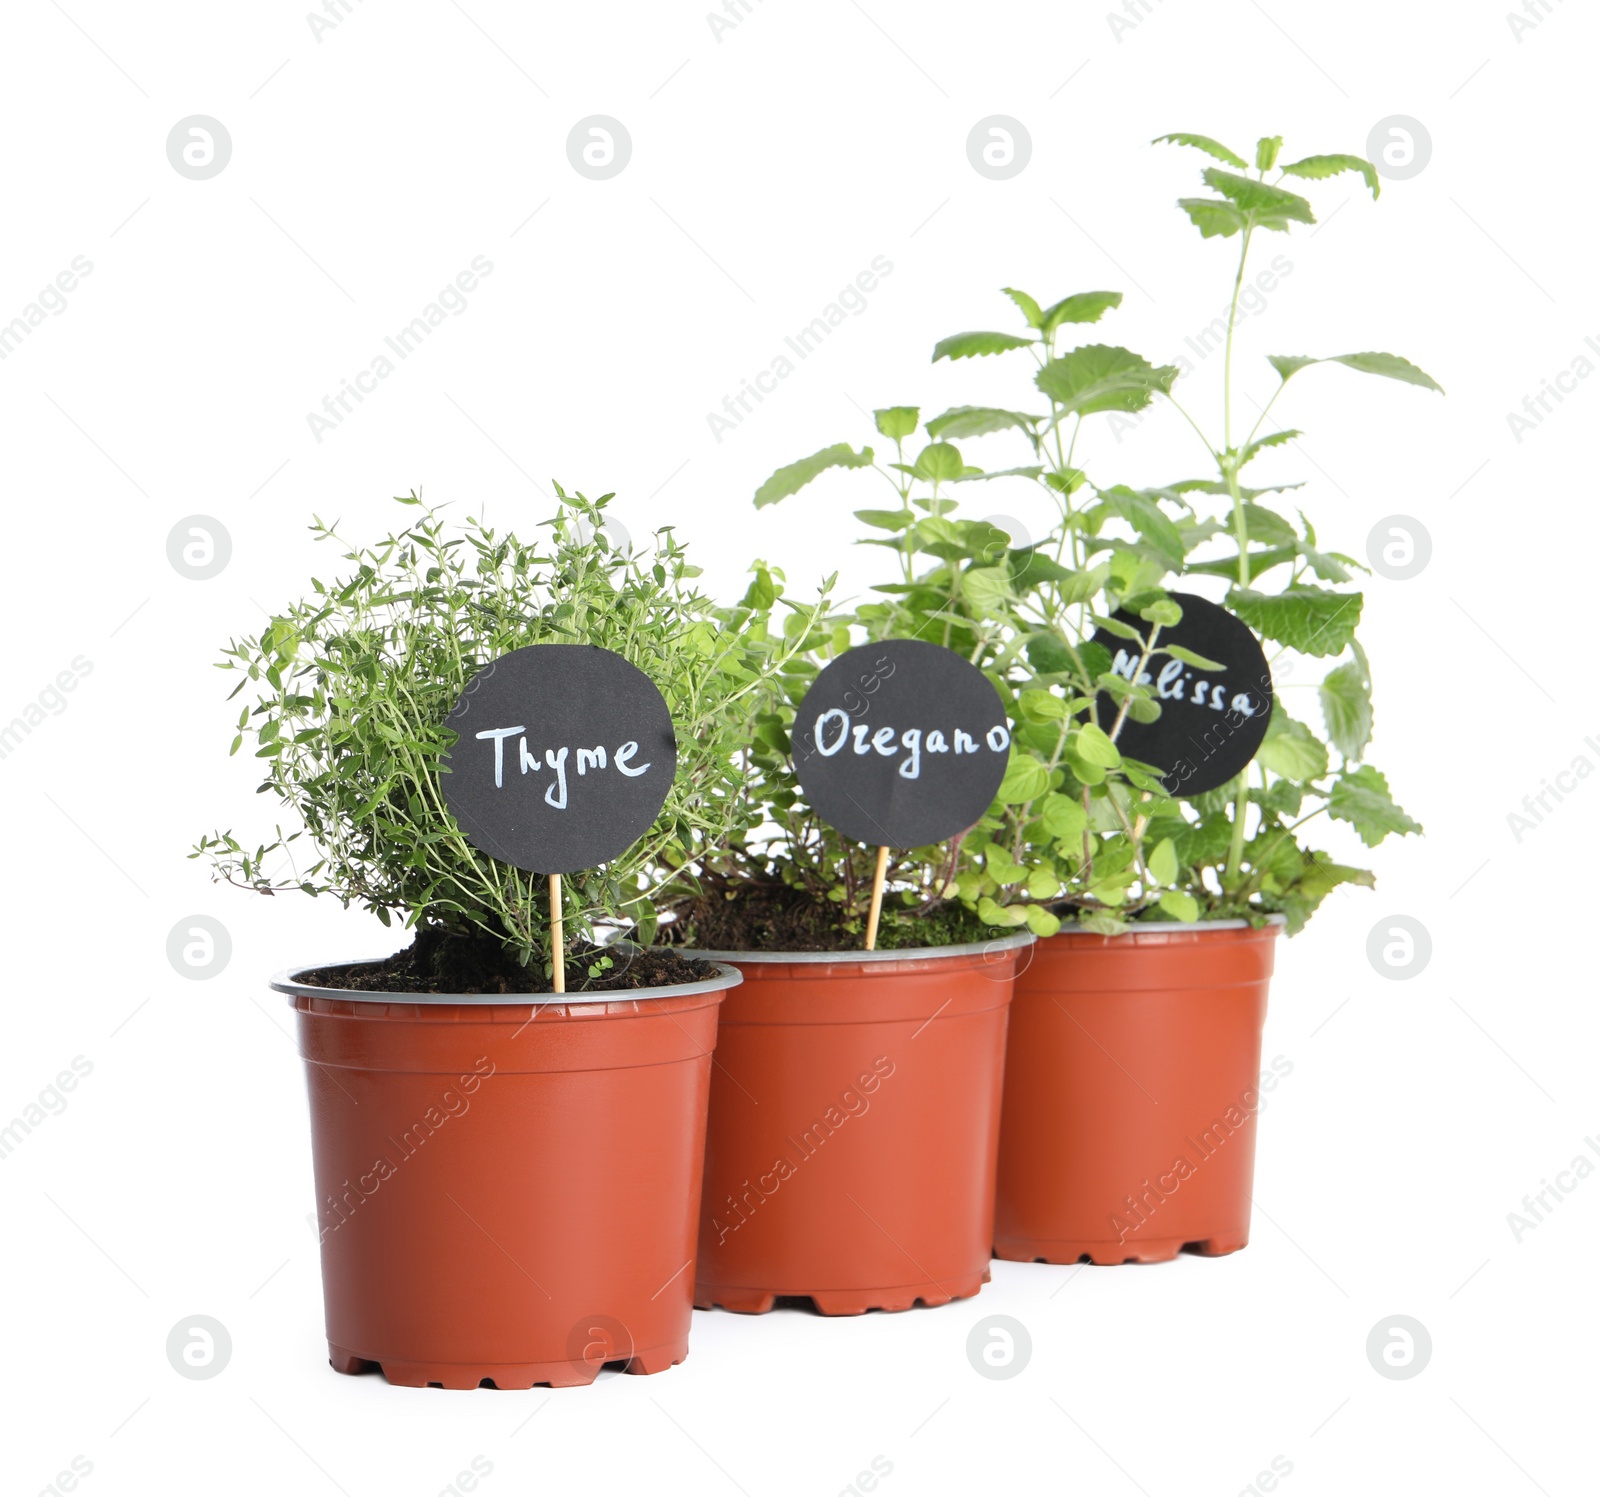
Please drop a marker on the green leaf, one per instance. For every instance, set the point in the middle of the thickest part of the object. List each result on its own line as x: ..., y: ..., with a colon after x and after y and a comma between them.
x: 1317, y: 167
x: 1189, y: 657
x: 1267, y: 149
x: 1346, y: 697
x: 1043, y: 883
x: 1117, y: 627
x: 1039, y: 705
x: 1092, y: 745
x: 987, y: 590
x: 1149, y: 522
x: 1312, y: 620
x: 1273, y: 439
x: 796, y: 476
x: 1268, y: 526
x: 1041, y: 922
x: 976, y: 345
x: 886, y: 519
x: 1162, y: 861
x: 1085, y: 306
x: 1267, y: 206
x: 1063, y: 816
x: 1389, y: 365
x: 1213, y: 217
x: 1025, y: 779
x: 1204, y: 143
x: 970, y: 475
x: 939, y: 462
x: 1028, y: 306
x: 1179, y: 905
x: 897, y: 421
x: 1005, y: 915
x: 1291, y: 749
x: 1361, y: 797
x: 977, y: 420
x: 1098, y: 377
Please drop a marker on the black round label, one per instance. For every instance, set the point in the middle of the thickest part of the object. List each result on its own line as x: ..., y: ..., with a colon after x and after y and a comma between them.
x: 565, y: 756
x: 901, y: 744
x: 1212, y: 721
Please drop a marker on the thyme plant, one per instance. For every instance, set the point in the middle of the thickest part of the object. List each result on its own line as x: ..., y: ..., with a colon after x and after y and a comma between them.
x: 347, y: 690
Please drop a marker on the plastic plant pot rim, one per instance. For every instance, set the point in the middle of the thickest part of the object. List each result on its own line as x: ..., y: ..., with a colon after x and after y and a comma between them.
x: 284, y: 982
x: 1198, y: 926
x: 838, y: 958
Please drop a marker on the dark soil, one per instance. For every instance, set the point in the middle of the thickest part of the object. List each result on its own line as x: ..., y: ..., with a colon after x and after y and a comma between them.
x: 747, y: 915
x: 436, y: 963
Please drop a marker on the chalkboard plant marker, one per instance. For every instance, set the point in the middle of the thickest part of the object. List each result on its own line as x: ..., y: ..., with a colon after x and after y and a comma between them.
x: 474, y: 1223
x: 896, y: 744
x: 1157, y: 881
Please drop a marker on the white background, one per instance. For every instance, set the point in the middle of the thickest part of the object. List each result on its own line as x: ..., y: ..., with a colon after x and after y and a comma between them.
x: 769, y: 167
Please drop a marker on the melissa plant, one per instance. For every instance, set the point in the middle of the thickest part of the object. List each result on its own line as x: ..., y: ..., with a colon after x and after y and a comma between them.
x: 1079, y: 830
x: 347, y: 691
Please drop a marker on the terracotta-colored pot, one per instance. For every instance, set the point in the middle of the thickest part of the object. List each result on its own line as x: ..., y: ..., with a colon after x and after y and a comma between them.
x: 1133, y: 1079
x: 507, y: 1191
x: 855, y: 1110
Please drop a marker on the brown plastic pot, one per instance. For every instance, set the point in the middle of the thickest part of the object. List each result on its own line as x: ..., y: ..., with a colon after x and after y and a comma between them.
x: 507, y: 1191
x: 855, y: 1111
x: 1133, y: 1079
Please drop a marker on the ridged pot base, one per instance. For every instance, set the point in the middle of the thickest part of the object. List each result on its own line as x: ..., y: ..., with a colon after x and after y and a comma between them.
x: 563, y: 1374
x: 1158, y: 1250
x: 839, y: 1301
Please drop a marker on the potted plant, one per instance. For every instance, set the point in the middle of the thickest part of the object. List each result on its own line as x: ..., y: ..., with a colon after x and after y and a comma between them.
x: 507, y: 1176
x: 854, y: 1111
x: 1135, y: 1049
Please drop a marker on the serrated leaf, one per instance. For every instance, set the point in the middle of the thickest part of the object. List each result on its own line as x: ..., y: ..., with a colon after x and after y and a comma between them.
x: 1204, y: 143
x: 1084, y: 306
x: 1361, y: 797
x: 1265, y: 203
x: 1312, y: 620
x: 1214, y: 217
x: 794, y: 477
x: 1028, y: 306
x: 1291, y: 749
x: 1346, y: 698
x: 897, y: 421
x: 976, y: 345
x: 939, y: 462
x: 987, y: 591
x: 978, y: 420
x: 976, y: 476
x: 1267, y: 149
x: 1098, y: 377
x: 1273, y: 439
x: 1318, y: 167
x: 1149, y: 522
x: 1389, y: 365
x: 886, y: 519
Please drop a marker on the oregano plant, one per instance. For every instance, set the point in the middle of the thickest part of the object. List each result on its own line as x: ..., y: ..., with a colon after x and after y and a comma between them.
x: 1081, y: 831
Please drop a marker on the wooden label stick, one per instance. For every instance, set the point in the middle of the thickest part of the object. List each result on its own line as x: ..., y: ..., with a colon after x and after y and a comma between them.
x: 558, y: 954
x: 877, y: 898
